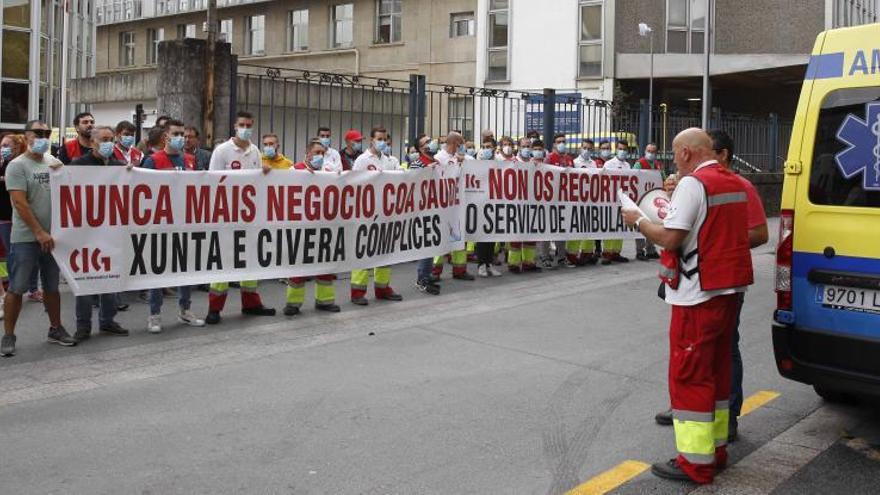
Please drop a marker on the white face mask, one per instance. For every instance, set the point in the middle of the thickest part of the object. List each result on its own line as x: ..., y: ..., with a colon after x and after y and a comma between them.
x: 506, y: 150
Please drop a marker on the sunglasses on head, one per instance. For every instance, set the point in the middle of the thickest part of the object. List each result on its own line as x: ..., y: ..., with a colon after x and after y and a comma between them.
x: 41, y: 133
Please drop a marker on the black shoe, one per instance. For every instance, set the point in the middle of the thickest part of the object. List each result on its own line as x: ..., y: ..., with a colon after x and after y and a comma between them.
x: 669, y: 470
x: 330, y: 308
x: 606, y: 261
x: 653, y: 256
x: 360, y: 301
x: 258, y: 311
x: 732, y: 432
x: 532, y: 268
x: 642, y: 257
x: 115, y: 329
x: 428, y: 288
x: 664, y: 418
x: 393, y: 296
x: 290, y: 310
x: 82, y: 334
x: 213, y: 318
x: 620, y: 259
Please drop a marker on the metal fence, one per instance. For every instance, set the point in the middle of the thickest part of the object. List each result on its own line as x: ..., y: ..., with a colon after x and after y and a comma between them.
x: 295, y: 103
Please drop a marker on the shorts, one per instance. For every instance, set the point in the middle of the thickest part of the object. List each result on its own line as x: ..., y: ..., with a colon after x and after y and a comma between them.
x: 27, y: 256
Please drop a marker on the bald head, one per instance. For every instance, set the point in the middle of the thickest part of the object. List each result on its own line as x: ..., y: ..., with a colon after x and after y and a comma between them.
x: 691, y: 147
x: 453, y: 141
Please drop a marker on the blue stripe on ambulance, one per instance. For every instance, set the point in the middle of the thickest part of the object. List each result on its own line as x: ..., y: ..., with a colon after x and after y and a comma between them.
x: 825, y: 66
x: 808, y: 310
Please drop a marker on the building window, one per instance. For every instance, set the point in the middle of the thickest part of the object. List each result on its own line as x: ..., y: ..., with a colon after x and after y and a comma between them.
x: 186, y: 31
x: 388, y: 17
x: 126, y: 48
x: 685, y: 26
x: 499, y: 31
x: 590, y: 47
x: 256, y: 35
x: 154, y: 37
x: 297, y: 30
x: 461, y: 24
x: 226, y: 30
x: 343, y: 24
x: 461, y: 115
x: 855, y: 12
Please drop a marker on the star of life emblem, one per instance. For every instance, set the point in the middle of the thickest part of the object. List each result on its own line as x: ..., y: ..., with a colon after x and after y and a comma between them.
x: 862, y: 154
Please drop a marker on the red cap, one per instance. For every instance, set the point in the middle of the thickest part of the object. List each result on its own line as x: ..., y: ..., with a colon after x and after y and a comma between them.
x: 353, y: 135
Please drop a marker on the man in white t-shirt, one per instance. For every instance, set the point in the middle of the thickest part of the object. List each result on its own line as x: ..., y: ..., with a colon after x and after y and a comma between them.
x: 377, y: 158
x: 332, y: 160
x: 705, y: 263
x: 611, y: 248
x: 452, y: 153
x: 238, y: 153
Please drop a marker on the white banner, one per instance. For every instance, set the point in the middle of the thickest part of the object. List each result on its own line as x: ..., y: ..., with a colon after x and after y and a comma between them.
x: 523, y: 202
x: 117, y: 230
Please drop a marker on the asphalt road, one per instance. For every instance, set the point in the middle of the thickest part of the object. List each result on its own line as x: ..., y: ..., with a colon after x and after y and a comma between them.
x: 526, y: 384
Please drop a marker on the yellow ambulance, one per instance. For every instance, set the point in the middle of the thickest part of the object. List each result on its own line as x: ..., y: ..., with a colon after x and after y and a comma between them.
x: 826, y: 328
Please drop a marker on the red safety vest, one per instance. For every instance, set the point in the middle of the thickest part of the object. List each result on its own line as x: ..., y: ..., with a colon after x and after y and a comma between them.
x: 162, y: 162
x: 73, y: 149
x: 646, y: 165
x: 134, y: 153
x: 724, y: 260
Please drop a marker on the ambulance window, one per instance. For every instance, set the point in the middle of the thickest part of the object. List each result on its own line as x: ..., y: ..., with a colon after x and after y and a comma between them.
x: 829, y: 184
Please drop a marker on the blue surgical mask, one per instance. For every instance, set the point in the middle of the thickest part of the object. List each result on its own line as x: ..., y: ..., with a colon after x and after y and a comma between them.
x: 126, y: 141
x: 413, y: 157
x: 269, y: 151
x: 380, y: 145
x: 244, y: 133
x: 560, y: 147
x: 40, y: 146
x: 325, y: 141
x: 621, y: 154
x: 105, y: 149
x: 357, y: 146
x: 317, y: 162
x: 177, y: 142
x: 470, y: 152
x: 525, y: 153
x: 605, y: 154
x: 6, y: 153
x: 650, y: 156
x: 433, y: 146
x: 585, y: 154
x: 539, y: 154
x: 486, y: 154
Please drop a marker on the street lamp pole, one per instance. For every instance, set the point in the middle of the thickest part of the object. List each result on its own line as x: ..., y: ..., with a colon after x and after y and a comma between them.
x: 707, y: 45
x: 645, y: 30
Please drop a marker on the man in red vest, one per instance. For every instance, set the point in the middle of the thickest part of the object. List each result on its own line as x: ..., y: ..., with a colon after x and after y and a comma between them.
x: 706, y: 264
x: 82, y: 145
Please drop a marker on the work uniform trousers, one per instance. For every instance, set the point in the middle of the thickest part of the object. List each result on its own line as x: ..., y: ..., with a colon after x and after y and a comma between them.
x: 699, y: 383
x: 325, y: 291
x: 458, y: 260
x: 578, y: 252
x: 521, y: 255
x: 250, y: 298
x: 360, y: 280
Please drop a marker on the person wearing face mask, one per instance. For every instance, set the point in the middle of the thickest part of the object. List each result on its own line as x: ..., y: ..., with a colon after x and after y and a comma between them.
x: 172, y: 157
x: 424, y: 158
x: 539, y: 154
x: 582, y: 253
x: 451, y: 154
x: 272, y: 156
x: 81, y: 146
x: 332, y: 159
x: 521, y: 255
x: 377, y: 158
x: 11, y: 147
x: 102, y: 149
x: 605, y: 153
x: 645, y: 249
x: 315, y: 160
x: 125, y: 150
x: 542, y: 248
x: 194, y: 148
x: 27, y: 180
x: 354, y: 146
x: 585, y: 157
x: 524, y: 154
x: 505, y: 153
x: 533, y: 136
x: 470, y: 150
x: 611, y: 248
x: 559, y: 155
x: 238, y: 153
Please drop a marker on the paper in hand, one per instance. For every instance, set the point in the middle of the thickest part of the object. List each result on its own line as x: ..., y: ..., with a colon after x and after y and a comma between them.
x: 627, y: 203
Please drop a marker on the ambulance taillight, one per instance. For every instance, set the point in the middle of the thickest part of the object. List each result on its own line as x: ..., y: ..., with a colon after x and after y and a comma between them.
x: 784, y: 252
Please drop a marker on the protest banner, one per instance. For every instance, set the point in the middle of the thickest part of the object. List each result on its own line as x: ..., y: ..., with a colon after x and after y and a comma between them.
x: 509, y: 201
x: 118, y: 230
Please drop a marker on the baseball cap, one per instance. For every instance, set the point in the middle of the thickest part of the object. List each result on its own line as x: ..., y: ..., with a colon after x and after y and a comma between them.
x: 353, y: 135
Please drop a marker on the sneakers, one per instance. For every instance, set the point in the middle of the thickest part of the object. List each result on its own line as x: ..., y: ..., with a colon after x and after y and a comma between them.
x: 328, y: 307
x: 35, y: 296
x: 115, y: 329
x: 664, y: 418
x: 213, y: 318
x: 642, y: 257
x: 464, y: 276
x: 59, y: 335
x: 291, y: 310
x: 7, y: 345
x: 428, y: 287
x: 483, y: 271
x: 494, y: 272
x: 546, y: 264
x: 258, y: 311
x: 187, y: 317
x: 154, y: 324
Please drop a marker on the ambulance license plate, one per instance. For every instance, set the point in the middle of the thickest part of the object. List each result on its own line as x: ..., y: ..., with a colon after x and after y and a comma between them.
x: 854, y: 299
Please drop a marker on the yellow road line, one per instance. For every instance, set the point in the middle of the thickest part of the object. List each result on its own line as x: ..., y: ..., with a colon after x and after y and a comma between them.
x: 611, y: 479
x: 756, y: 400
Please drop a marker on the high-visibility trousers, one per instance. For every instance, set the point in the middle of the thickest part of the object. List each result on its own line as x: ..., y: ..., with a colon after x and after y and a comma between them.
x: 521, y: 254
x: 458, y: 260
x: 4, y: 274
x: 325, y: 290
x: 577, y: 251
x: 250, y: 298
x: 470, y: 247
x: 610, y: 247
x: 360, y: 280
x: 699, y: 383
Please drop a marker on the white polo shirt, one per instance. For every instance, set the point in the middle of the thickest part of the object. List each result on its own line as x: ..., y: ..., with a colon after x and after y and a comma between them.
x: 369, y: 161
x: 443, y: 157
x: 579, y: 162
x: 332, y: 160
x: 687, y: 211
x: 228, y: 156
x: 617, y: 164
